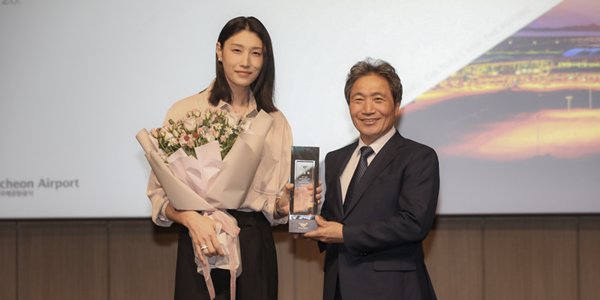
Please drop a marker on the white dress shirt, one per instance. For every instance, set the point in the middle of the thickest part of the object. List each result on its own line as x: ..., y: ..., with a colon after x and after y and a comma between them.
x: 355, y: 158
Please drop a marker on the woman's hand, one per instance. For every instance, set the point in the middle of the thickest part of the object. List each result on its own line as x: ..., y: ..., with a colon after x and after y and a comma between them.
x: 283, y: 203
x: 202, y: 231
x: 319, y: 191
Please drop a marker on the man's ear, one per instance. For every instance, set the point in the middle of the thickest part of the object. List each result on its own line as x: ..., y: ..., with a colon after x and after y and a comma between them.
x: 398, y: 110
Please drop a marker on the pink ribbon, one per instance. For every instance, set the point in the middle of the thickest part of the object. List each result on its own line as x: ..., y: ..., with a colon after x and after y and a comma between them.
x: 232, y: 232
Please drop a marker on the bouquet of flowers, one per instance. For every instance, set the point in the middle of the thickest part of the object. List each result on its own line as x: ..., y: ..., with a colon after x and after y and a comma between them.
x: 194, y: 147
x: 206, y: 162
x: 213, y: 182
x: 197, y: 129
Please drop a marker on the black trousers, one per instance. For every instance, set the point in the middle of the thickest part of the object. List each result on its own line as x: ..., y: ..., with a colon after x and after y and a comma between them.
x: 259, y: 264
x: 338, y: 294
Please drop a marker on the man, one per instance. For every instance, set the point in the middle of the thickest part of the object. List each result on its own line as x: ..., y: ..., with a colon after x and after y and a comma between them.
x: 373, y: 223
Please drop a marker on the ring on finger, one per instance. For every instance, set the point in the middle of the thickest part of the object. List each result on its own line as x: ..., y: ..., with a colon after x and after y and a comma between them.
x: 203, y: 247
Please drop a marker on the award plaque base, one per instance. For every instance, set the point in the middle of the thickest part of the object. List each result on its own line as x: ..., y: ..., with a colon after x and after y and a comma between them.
x: 302, y: 225
x: 304, y: 176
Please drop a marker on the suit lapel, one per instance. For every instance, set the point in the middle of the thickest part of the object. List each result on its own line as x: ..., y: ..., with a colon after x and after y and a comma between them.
x: 383, y: 158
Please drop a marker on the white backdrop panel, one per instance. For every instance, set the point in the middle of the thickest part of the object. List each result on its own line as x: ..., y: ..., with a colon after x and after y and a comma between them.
x: 78, y: 80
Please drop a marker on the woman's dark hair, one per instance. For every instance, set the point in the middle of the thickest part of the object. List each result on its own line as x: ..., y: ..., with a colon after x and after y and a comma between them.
x: 264, y: 85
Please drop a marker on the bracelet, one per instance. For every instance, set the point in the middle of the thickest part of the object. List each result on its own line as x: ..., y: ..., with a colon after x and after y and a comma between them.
x: 278, y: 209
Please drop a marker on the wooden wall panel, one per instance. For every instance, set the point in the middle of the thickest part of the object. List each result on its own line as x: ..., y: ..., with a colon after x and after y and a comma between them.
x: 62, y: 260
x: 8, y: 260
x: 308, y: 276
x: 454, y: 258
x: 530, y: 258
x: 285, y: 245
x: 501, y: 257
x: 142, y: 260
x: 589, y: 258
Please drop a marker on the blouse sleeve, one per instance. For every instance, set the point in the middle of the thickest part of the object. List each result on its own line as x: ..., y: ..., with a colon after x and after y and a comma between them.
x: 284, y: 156
x: 159, y: 200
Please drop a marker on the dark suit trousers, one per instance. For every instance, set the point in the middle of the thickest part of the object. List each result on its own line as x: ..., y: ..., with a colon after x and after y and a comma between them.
x: 338, y: 294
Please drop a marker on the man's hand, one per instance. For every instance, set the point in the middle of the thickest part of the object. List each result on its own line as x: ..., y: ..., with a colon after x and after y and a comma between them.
x: 327, y: 232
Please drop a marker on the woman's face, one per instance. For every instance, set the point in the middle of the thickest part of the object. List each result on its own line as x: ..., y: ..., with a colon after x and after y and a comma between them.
x: 242, y: 58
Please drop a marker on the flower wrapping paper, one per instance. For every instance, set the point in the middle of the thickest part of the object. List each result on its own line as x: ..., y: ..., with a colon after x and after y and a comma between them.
x: 210, y: 184
x: 229, y: 185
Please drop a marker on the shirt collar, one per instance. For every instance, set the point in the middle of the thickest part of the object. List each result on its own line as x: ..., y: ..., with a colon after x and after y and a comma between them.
x: 380, y: 142
x: 252, y: 110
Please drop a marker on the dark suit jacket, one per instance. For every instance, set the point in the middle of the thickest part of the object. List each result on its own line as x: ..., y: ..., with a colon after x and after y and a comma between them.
x: 389, y: 216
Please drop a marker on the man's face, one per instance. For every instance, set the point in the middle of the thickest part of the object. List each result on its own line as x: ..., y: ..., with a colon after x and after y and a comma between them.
x: 372, y: 107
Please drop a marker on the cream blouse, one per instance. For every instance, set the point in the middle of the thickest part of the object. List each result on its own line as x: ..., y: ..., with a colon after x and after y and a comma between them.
x: 273, y: 170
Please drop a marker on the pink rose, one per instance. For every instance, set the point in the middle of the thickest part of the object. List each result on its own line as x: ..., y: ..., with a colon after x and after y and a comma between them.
x: 190, y: 123
x: 176, y: 134
x: 154, y: 133
x: 196, y: 112
x: 168, y: 136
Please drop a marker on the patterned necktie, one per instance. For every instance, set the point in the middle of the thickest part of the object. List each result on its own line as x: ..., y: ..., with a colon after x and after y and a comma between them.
x: 365, y: 152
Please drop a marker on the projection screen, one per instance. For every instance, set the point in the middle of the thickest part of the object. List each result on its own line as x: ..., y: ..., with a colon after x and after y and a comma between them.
x: 80, y: 78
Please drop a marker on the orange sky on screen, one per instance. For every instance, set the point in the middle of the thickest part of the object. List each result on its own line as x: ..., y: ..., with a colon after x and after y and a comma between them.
x: 559, y: 133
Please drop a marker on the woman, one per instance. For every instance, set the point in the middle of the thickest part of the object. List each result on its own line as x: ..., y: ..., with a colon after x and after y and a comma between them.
x: 243, y: 85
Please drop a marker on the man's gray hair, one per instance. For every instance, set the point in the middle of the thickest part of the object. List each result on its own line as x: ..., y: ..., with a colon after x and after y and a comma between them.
x: 371, y: 66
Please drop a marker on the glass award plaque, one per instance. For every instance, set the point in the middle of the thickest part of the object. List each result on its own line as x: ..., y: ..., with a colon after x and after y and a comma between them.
x: 304, y: 176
